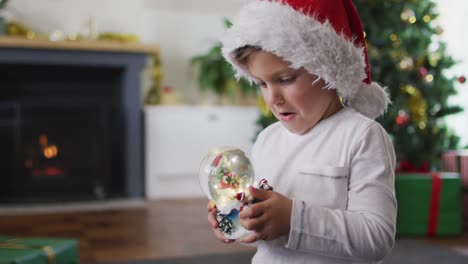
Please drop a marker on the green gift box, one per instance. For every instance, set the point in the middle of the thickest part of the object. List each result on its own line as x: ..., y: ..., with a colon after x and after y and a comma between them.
x: 428, y: 203
x: 38, y: 250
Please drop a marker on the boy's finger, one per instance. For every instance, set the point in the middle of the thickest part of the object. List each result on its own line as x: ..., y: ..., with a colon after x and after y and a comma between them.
x: 211, y: 206
x: 252, y: 223
x: 259, y: 194
x: 212, y: 219
x: 250, y: 238
x: 252, y: 211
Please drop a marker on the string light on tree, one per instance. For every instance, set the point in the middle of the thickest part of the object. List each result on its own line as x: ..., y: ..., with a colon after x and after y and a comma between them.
x: 429, y: 78
x: 395, y: 40
x: 434, y: 59
x: 427, y: 18
x: 408, y: 16
x: 406, y: 64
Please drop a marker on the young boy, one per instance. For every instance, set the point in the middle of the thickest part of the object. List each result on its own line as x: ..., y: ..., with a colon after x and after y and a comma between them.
x: 330, y: 164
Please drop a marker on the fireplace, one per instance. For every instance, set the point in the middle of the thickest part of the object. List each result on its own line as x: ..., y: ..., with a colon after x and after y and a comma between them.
x: 66, y: 130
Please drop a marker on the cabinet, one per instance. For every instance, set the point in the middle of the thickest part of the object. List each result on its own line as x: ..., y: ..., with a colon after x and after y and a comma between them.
x: 178, y: 137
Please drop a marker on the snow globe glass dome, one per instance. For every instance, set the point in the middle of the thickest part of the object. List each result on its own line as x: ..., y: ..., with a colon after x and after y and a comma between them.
x: 225, y: 176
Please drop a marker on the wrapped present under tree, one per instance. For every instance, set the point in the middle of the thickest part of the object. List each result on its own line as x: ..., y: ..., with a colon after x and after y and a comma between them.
x: 457, y: 161
x: 428, y: 203
x: 38, y: 250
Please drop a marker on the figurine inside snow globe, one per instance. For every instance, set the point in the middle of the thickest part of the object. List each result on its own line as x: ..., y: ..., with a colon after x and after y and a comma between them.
x: 225, y: 176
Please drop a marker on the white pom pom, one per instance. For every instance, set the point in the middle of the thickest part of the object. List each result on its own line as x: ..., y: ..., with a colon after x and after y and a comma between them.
x: 370, y: 100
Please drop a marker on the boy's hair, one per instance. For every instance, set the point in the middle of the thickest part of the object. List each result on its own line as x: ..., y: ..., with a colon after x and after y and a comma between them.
x: 241, y: 55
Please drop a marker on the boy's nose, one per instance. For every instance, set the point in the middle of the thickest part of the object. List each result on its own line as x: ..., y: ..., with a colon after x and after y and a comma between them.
x: 275, y: 96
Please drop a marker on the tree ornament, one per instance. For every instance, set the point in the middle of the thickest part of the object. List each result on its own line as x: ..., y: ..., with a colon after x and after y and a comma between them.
x: 422, y: 72
x: 417, y: 106
x: 402, y: 119
x: 461, y: 79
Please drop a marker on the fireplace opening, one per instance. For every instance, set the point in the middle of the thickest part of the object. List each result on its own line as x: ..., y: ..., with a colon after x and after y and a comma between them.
x: 61, y: 132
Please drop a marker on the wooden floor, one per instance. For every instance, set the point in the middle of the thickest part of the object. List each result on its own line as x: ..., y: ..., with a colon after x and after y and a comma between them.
x: 157, y: 229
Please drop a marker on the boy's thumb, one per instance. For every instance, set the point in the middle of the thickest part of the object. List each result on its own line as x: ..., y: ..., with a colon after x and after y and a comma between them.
x: 259, y: 194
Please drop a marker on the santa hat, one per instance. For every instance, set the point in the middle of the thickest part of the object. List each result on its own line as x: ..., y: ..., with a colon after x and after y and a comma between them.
x: 323, y: 36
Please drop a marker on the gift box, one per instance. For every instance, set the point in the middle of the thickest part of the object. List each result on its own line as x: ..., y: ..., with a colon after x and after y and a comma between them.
x: 38, y: 250
x: 429, y: 203
x: 456, y: 161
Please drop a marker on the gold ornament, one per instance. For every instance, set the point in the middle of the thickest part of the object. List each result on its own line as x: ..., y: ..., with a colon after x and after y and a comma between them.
x: 417, y: 106
x: 419, y: 62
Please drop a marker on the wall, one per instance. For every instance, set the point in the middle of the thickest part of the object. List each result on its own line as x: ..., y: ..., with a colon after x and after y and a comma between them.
x: 183, y: 28
x: 453, y: 19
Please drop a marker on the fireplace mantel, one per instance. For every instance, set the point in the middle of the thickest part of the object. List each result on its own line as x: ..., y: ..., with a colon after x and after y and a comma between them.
x: 85, y: 45
x: 122, y: 59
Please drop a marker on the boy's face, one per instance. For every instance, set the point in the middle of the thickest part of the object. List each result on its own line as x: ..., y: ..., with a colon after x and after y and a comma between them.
x: 292, y: 95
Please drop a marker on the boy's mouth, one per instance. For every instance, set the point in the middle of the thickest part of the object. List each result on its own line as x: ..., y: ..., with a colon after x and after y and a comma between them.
x: 286, y: 116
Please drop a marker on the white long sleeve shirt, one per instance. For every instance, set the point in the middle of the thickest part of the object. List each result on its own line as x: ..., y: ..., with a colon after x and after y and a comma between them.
x: 340, y: 176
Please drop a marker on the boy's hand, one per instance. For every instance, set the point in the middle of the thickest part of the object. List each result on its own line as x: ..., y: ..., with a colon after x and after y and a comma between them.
x: 214, y: 224
x: 268, y: 219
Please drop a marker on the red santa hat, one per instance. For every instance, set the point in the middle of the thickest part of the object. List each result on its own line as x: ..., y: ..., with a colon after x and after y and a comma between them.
x: 325, y: 37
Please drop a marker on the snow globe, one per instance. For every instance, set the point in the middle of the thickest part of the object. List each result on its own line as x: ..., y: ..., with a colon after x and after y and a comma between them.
x: 225, y: 176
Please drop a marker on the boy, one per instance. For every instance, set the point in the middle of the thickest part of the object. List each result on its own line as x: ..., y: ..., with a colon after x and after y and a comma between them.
x: 331, y: 165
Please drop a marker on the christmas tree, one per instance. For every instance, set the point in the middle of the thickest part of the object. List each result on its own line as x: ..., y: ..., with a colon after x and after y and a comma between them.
x: 406, y: 54
x: 408, y: 58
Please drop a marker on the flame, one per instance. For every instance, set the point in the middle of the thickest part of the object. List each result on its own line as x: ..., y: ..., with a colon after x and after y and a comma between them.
x: 50, y: 151
x: 43, y: 140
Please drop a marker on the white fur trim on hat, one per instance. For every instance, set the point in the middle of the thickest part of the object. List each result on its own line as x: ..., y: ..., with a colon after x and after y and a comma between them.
x: 305, y: 42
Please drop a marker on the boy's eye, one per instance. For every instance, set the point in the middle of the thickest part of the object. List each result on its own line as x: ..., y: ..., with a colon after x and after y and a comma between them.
x: 288, y: 80
x: 261, y: 84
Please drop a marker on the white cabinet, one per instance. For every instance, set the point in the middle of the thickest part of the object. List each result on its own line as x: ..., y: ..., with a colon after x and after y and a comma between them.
x: 178, y: 137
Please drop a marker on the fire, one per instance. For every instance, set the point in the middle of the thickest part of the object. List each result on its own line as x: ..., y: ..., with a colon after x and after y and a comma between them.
x: 49, y: 151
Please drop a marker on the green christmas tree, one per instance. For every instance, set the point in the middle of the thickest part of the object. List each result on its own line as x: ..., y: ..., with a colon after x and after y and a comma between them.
x: 407, y: 57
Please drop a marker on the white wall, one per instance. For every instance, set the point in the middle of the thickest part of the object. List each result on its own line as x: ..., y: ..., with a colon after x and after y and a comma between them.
x: 454, y: 20
x: 183, y: 28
